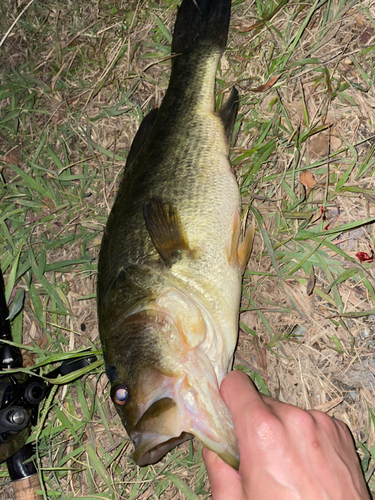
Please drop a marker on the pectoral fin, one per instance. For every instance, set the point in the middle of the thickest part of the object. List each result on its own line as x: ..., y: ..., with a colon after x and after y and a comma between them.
x: 164, y: 227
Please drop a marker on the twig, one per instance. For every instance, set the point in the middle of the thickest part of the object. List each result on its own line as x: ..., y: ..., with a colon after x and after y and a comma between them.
x: 15, y: 22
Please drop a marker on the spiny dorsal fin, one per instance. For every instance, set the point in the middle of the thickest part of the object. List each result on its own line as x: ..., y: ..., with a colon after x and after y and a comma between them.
x: 141, y: 135
x: 228, y: 113
x: 164, y: 227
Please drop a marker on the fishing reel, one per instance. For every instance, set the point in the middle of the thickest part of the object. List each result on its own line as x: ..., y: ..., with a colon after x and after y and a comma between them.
x: 20, y: 396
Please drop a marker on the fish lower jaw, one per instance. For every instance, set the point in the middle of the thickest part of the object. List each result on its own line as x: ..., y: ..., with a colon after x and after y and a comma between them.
x: 151, y: 447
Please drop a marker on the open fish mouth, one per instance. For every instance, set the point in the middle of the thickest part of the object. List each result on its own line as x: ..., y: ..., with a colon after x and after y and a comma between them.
x: 144, y: 455
x: 190, y: 406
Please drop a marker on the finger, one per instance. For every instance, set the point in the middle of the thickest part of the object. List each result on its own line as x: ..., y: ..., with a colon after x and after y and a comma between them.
x: 241, y: 397
x: 236, y: 383
x: 253, y: 416
x: 224, y: 480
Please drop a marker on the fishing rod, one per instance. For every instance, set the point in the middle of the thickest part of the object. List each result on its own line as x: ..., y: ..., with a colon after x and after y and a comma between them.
x: 20, y: 396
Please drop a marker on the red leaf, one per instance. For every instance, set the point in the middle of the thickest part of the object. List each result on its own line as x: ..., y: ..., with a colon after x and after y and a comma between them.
x: 365, y: 257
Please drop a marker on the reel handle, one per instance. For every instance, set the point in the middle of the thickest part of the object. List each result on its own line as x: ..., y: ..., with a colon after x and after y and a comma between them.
x: 24, y: 476
x: 25, y: 489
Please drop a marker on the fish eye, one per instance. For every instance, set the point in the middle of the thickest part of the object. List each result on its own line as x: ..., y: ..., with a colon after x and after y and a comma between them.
x: 120, y: 394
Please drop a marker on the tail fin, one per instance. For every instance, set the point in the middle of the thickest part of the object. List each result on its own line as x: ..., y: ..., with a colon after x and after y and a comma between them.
x: 201, y: 23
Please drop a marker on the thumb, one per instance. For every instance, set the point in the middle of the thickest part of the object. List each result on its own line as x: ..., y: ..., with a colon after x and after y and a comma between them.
x: 225, y: 481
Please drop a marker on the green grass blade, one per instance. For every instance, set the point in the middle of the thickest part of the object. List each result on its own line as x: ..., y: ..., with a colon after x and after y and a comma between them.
x: 182, y: 486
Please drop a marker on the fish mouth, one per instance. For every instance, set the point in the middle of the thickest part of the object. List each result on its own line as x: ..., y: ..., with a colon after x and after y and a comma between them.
x: 144, y: 456
x: 152, y: 434
x: 185, y: 410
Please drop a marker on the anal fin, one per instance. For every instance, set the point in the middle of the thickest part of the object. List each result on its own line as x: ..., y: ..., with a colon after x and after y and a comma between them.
x: 165, y: 230
x: 245, y: 245
x: 241, y: 246
x: 232, y: 254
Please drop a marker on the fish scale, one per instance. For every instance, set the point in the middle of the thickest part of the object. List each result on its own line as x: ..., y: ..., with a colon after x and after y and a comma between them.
x: 172, y: 258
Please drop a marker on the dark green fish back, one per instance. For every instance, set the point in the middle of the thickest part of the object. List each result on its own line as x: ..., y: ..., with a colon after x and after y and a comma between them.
x: 166, y: 136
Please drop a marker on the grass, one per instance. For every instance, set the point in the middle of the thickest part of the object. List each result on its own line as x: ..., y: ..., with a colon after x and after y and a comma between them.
x: 76, y: 80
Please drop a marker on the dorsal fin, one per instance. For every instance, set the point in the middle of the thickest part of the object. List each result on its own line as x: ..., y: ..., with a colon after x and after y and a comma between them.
x: 141, y: 135
x: 164, y: 227
x: 228, y: 113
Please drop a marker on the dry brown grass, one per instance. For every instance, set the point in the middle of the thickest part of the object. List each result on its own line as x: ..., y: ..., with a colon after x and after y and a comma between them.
x: 89, y: 57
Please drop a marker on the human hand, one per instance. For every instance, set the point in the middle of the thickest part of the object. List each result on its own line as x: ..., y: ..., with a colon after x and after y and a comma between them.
x: 285, y: 453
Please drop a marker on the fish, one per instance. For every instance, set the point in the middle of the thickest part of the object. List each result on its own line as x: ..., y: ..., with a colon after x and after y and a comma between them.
x: 173, y: 254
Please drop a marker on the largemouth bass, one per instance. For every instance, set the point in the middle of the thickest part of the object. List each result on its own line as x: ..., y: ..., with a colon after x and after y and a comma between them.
x: 172, y: 256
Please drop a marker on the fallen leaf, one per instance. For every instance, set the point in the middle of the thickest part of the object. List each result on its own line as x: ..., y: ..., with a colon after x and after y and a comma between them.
x: 311, y: 282
x: 358, y: 20
x: 365, y: 36
x: 365, y: 257
x: 318, y: 146
x: 11, y: 158
x: 266, y: 86
x: 307, y: 179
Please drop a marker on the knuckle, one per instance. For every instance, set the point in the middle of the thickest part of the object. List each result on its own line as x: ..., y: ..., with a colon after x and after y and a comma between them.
x: 303, y: 420
x: 322, y: 419
x: 264, y: 425
x: 343, y: 430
